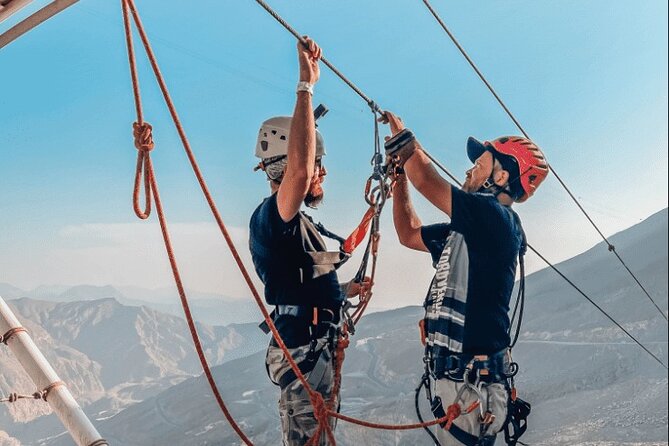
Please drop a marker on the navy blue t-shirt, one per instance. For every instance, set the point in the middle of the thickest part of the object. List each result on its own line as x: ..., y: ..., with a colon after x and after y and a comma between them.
x: 279, y: 252
x: 475, y: 258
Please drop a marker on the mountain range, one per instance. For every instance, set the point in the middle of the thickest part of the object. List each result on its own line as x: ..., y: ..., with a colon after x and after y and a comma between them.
x: 208, y: 308
x: 589, y: 384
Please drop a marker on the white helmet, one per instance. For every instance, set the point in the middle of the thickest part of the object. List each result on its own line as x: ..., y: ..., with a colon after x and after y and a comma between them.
x: 273, y: 138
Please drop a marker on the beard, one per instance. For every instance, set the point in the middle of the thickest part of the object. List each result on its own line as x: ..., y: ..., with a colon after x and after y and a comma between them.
x: 467, y: 186
x: 314, y: 196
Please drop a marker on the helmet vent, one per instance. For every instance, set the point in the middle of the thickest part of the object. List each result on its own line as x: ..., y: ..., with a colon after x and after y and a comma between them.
x: 282, y: 138
x: 264, y: 146
x: 532, y: 178
x: 273, y: 132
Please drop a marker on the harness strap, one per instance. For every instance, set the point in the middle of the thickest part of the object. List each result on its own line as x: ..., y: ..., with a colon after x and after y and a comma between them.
x: 516, y: 423
x: 349, y: 244
x: 314, y: 365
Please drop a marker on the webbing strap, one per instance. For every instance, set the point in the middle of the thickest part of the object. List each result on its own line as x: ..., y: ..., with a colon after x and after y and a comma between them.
x: 360, y: 232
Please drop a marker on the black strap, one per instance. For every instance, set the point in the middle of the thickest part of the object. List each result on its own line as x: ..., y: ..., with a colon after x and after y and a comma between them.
x: 424, y: 382
x: 322, y: 230
x: 516, y: 423
x: 264, y: 326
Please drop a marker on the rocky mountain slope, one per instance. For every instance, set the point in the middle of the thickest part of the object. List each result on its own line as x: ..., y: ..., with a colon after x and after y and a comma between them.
x: 588, y: 383
x: 112, y: 355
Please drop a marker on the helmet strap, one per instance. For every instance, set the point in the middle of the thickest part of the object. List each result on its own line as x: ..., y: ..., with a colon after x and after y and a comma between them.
x: 489, y: 186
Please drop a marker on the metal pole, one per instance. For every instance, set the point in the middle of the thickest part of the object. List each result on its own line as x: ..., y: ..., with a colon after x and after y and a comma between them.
x: 45, y: 378
x: 34, y: 20
x: 9, y: 8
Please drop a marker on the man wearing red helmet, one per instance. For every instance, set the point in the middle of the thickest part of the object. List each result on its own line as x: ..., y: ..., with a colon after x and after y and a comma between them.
x: 466, y: 329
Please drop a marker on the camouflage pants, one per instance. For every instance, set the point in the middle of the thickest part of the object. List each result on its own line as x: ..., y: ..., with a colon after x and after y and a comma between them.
x: 297, y: 416
x: 494, y: 399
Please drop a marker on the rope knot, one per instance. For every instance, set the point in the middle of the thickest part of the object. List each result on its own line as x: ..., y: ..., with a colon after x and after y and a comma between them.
x: 143, y: 134
x: 320, y: 409
x: 452, y: 412
x: 611, y: 248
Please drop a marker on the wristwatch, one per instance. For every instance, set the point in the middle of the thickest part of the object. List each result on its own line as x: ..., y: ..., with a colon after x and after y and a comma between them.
x: 305, y: 86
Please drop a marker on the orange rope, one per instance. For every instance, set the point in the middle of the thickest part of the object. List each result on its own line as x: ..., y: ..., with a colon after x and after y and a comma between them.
x: 316, y: 398
x: 144, y: 144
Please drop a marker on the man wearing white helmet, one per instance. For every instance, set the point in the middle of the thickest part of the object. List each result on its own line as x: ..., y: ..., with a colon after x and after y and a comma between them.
x: 292, y: 261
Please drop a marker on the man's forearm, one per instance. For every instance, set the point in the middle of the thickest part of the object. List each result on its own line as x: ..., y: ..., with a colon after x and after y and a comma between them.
x: 427, y: 181
x: 302, y: 140
x: 404, y: 215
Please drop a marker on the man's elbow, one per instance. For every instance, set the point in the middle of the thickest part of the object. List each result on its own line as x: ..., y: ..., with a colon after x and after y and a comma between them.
x: 405, y: 238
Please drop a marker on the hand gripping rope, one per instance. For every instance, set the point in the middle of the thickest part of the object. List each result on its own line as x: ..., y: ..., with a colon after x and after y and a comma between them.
x: 610, y: 247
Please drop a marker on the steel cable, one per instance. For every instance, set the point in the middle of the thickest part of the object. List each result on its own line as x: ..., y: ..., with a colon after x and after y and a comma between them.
x: 610, y: 246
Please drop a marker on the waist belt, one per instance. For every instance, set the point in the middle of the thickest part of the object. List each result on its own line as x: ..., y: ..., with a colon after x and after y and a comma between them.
x: 315, y: 315
x: 302, y: 311
x: 490, y: 368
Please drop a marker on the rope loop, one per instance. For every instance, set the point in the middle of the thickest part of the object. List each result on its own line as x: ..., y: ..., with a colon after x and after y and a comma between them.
x: 142, y: 132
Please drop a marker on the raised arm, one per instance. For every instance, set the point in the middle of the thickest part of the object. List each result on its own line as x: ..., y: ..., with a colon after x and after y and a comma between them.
x: 302, y: 137
x: 427, y: 181
x: 419, y: 168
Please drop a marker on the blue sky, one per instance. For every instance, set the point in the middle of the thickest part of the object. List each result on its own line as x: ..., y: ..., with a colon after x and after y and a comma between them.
x: 588, y: 80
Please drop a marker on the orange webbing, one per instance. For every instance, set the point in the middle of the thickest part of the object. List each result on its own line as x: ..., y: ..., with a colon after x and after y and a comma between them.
x: 359, y: 233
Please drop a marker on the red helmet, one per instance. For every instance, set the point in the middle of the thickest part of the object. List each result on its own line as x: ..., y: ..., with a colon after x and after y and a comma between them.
x: 532, y: 165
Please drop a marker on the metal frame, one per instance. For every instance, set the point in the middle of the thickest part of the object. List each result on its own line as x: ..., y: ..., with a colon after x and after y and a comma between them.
x: 31, y: 21
x: 44, y: 377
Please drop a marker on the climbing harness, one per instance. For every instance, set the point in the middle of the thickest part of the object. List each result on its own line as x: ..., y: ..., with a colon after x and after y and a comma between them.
x: 496, y: 368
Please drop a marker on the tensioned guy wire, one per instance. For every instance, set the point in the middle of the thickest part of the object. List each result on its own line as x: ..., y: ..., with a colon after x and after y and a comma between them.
x: 610, y: 246
x: 376, y: 109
